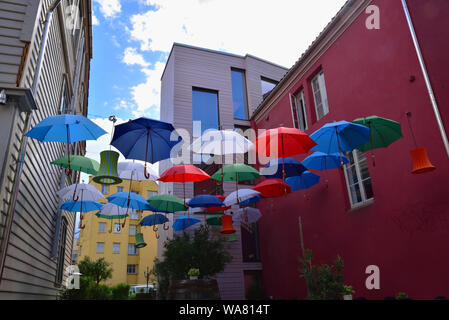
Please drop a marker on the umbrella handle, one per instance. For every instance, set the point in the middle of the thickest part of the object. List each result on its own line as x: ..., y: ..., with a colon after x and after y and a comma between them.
x: 157, y: 235
x: 147, y: 175
x: 372, y: 156
x: 110, y: 230
x: 124, y: 222
x: 68, y: 171
x: 155, y: 228
x: 166, y: 228
x: 75, y: 197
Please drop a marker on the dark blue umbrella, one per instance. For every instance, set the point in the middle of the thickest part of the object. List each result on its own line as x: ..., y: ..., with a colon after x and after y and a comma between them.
x: 323, y: 161
x: 292, y: 167
x: 153, y: 219
x: 145, y: 139
x: 304, y: 181
x: 129, y: 200
x: 205, y: 201
x: 341, y: 136
x: 184, y: 222
x: 250, y: 201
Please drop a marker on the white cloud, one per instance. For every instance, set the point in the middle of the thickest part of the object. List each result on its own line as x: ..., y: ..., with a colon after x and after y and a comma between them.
x: 278, y: 32
x: 132, y: 57
x: 109, y: 8
x: 95, y: 21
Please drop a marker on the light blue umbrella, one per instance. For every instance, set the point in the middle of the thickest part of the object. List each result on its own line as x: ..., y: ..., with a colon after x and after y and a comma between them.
x: 81, y: 206
x: 304, y: 181
x: 184, y: 222
x: 340, y: 136
x: 323, y: 161
x: 129, y: 200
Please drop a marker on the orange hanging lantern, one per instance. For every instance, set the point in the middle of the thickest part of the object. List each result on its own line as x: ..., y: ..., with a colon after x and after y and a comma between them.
x: 421, y: 162
x: 227, y: 227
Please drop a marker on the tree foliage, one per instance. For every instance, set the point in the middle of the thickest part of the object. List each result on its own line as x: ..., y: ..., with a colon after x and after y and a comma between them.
x: 97, y: 270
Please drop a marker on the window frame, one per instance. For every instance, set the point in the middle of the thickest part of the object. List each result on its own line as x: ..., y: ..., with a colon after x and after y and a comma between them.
x: 356, y: 164
x: 135, y: 269
x: 323, y: 94
x: 59, y: 276
x: 107, y: 189
x: 103, y: 224
x: 133, y: 227
x: 135, y: 249
x: 96, y: 248
x: 134, y: 214
x: 268, y: 80
x: 294, y: 106
x: 113, y: 247
x: 245, y: 94
x: 117, y: 226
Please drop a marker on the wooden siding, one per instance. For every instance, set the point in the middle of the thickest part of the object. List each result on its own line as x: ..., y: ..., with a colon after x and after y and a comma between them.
x: 29, y: 269
x: 190, y: 67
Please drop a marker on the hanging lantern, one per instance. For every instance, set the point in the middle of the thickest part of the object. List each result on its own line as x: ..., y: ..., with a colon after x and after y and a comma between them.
x: 140, y: 243
x: 107, y: 174
x: 421, y: 163
x: 232, y: 237
x: 227, y: 227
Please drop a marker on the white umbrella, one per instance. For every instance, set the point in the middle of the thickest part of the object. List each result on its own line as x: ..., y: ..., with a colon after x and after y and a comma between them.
x: 135, y: 171
x: 248, y: 214
x: 79, y: 191
x: 221, y: 142
x: 243, y: 194
x: 112, y: 211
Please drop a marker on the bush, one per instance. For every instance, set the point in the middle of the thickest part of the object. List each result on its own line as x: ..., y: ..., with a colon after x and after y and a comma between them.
x: 89, y: 290
x: 256, y: 291
x: 120, y: 291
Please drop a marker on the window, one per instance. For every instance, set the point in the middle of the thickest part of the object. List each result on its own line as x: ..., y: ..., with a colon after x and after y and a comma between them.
x: 119, y: 189
x: 104, y: 189
x: 132, y: 230
x: 320, y: 96
x: 134, y: 215
x: 358, y: 178
x: 116, y: 247
x: 101, y: 226
x: 204, y: 115
x: 151, y: 194
x: 250, y: 242
x: 131, y: 269
x: 100, y: 247
x: 64, y: 103
x: 61, y: 251
x: 299, y: 115
x: 117, y: 228
x: 239, y: 94
x: 76, y: 19
x: 267, y: 86
x: 132, y: 248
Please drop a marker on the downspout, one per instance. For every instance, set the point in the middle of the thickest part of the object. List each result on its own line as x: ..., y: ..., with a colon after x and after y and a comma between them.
x: 426, y: 77
x: 24, y: 142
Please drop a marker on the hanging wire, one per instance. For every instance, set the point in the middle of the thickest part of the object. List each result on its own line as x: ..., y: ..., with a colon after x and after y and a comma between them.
x: 409, y: 114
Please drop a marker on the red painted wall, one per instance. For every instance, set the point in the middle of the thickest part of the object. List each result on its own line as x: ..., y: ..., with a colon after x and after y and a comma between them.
x: 406, y: 230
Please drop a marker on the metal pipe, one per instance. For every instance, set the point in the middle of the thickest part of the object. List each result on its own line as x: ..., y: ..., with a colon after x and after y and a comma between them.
x: 426, y: 77
x: 24, y: 142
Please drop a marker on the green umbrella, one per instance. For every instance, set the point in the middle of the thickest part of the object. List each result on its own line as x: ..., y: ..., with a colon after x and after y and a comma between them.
x: 236, y: 172
x: 167, y: 203
x: 79, y: 163
x: 214, y: 220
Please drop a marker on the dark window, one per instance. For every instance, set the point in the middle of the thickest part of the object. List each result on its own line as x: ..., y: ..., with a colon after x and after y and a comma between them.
x: 61, y: 252
x: 267, y: 86
x: 250, y: 242
x: 239, y: 94
x: 64, y: 103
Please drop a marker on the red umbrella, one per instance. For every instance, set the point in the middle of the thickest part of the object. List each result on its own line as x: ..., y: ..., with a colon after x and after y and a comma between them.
x: 219, y: 208
x: 184, y: 173
x: 283, y: 142
x: 273, y: 188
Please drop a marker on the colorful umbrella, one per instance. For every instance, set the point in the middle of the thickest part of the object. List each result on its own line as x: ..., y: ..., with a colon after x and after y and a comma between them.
x: 145, y: 139
x: 248, y: 215
x: 79, y: 163
x: 89, y: 192
x: 184, y: 222
x: 237, y: 172
x: 323, y: 161
x: 153, y: 220
x: 214, y: 220
x: 304, y: 181
x: 250, y: 201
x: 292, y: 167
x: 81, y: 206
x: 129, y: 200
x: 112, y: 211
x: 65, y: 128
x: 240, y: 196
x: 272, y: 188
x: 219, y: 208
x: 167, y: 203
x: 135, y: 171
x: 205, y: 201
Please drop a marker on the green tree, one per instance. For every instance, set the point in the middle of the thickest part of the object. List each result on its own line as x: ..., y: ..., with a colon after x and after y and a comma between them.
x: 97, y: 270
x: 120, y: 291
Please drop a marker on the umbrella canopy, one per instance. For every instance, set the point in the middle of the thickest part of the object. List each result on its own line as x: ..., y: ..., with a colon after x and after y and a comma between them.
x: 65, y: 128
x: 323, y: 161
x: 219, y: 208
x: 83, y: 191
x: 184, y: 222
x: 81, y: 206
x: 249, y: 201
x: 79, y: 163
x: 221, y: 142
x: 167, y: 203
x: 129, y: 200
x: 340, y: 136
x: 183, y: 173
x: 112, y: 211
x: 241, y: 195
x: 236, y: 172
x: 272, y: 188
x: 383, y: 132
x: 153, y: 219
x: 283, y: 142
x: 248, y: 215
x: 214, y: 220
x: 292, y: 167
x: 135, y: 171
x: 304, y: 181
x: 205, y: 201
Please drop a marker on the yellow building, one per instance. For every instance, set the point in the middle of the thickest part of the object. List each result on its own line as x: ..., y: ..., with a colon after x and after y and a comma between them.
x: 103, y: 238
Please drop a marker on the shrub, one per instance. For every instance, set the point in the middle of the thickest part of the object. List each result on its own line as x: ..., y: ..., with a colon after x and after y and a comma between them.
x: 120, y: 291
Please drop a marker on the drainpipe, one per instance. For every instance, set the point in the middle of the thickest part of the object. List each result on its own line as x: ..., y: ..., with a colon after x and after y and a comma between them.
x: 24, y: 142
x: 426, y: 77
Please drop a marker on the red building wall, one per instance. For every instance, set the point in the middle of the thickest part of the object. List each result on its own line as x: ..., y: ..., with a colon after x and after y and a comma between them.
x: 405, y: 232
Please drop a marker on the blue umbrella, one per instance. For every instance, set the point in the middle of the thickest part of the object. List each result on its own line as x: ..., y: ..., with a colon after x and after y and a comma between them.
x: 153, y: 219
x: 339, y: 137
x: 184, y: 222
x: 292, y: 167
x: 323, y: 161
x: 250, y: 201
x: 205, y: 201
x: 145, y: 139
x: 81, y: 206
x: 129, y: 200
x: 304, y: 181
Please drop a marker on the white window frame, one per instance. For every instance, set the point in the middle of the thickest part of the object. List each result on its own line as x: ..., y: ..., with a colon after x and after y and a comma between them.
x: 294, y: 104
x: 114, y: 246
x: 365, y: 200
x: 102, y: 243
x: 132, y: 252
x: 117, y: 228
x: 134, y: 215
x: 103, y: 228
x: 132, y: 227
x: 323, y: 94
